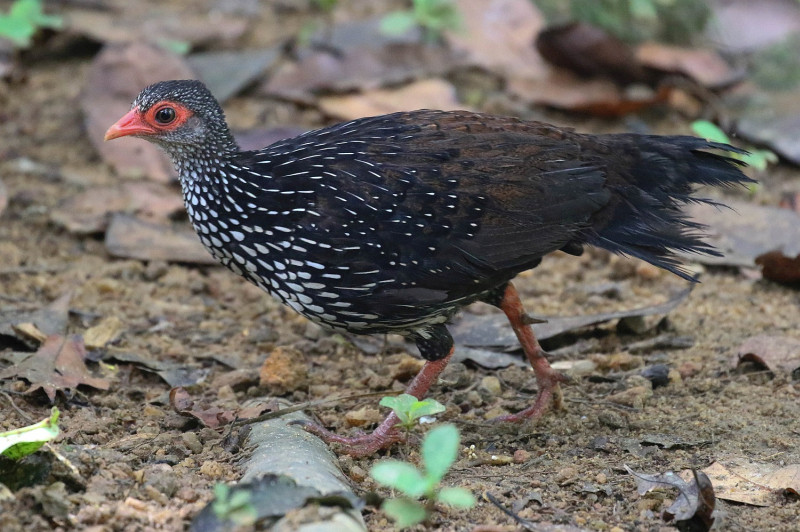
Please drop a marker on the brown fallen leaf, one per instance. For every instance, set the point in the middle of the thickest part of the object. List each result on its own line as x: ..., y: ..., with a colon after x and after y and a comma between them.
x: 39, y: 324
x: 777, y: 267
x: 360, y: 69
x: 706, y: 67
x: 693, y: 508
x: 88, y: 212
x: 425, y: 94
x: 127, y: 22
x: 492, y: 330
x: 58, y: 365
x: 746, y: 231
x: 562, y: 89
x: 116, y: 76
x: 743, y: 26
x: 498, y: 35
x: 754, y: 483
x: 775, y: 353
x: 211, y: 417
x: 102, y: 334
x: 133, y: 238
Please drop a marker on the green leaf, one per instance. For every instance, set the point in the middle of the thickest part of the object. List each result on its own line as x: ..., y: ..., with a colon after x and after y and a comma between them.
x: 428, y: 407
x: 18, y: 32
x: 27, y: 440
x: 397, y: 23
x: 175, y: 46
x: 456, y: 497
x: 440, y: 450
x: 23, y: 20
x: 404, y: 512
x: 401, y: 405
x: 643, y: 9
x: 709, y: 131
x: 760, y: 159
x: 401, y: 476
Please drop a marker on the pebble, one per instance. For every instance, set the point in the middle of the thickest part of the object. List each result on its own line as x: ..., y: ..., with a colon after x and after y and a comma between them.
x: 491, y: 386
x: 192, y: 442
x: 521, y: 456
x: 634, y: 397
x: 212, y: 469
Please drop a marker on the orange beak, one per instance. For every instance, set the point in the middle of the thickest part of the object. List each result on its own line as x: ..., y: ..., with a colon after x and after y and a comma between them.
x: 130, y: 124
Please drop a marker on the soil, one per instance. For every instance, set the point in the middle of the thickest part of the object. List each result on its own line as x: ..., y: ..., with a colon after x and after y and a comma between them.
x: 139, y: 465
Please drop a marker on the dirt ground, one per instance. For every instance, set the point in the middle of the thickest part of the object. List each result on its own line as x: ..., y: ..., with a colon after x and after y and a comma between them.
x: 142, y: 466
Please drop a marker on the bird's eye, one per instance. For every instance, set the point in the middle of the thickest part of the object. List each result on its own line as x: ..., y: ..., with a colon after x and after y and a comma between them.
x: 165, y: 115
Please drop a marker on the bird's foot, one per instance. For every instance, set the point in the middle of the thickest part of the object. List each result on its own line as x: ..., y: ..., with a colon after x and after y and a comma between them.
x: 382, y: 437
x: 549, y: 393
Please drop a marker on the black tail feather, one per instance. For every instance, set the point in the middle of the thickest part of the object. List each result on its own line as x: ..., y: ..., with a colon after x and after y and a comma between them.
x: 647, y: 221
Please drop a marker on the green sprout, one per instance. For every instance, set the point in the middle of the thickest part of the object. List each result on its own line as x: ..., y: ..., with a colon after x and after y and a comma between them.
x: 758, y: 159
x: 23, y: 20
x: 434, y: 17
x: 235, y: 507
x: 439, y: 451
x: 409, y: 409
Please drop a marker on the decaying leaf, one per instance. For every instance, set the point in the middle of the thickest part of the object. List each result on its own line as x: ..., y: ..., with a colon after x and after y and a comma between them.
x: 744, y: 231
x: 133, y: 238
x: 425, y: 94
x: 58, y: 365
x: 693, y: 508
x: 759, y: 484
x: 775, y: 353
x: 226, y: 73
x: 89, y: 212
x: 498, y: 35
x: 39, y: 324
x: 102, y: 334
x: 211, y: 417
x: 21, y: 442
x: 492, y: 330
x: 351, y: 61
x: 705, y: 67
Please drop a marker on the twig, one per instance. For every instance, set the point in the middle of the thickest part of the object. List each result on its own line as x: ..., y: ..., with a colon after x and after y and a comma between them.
x: 24, y: 416
x: 309, y: 404
x: 524, y: 523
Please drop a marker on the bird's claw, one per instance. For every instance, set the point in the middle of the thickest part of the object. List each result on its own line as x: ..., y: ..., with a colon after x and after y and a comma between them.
x: 361, y: 445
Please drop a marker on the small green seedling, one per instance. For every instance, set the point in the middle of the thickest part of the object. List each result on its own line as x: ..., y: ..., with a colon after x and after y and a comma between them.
x: 23, y: 20
x: 236, y: 507
x: 27, y: 440
x: 433, y: 16
x: 439, y: 451
x: 758, y: 159
x: 409, y: 409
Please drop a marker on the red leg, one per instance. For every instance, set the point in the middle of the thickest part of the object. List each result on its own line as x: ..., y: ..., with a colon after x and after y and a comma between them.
x: 387, y: 432
x: 547, y: 379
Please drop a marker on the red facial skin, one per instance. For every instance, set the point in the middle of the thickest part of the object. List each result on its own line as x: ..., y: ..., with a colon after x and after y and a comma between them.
x: 139, y: 124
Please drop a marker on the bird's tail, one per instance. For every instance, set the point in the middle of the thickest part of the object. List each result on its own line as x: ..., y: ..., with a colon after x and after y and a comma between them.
x: 645, y: 219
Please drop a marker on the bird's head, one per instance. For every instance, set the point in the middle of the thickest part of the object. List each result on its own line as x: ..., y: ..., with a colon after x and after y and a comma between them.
x: 181, y: 116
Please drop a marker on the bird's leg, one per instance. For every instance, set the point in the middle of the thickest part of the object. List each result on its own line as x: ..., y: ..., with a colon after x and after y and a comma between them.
x: 387, y: 432
x: 547, y: 379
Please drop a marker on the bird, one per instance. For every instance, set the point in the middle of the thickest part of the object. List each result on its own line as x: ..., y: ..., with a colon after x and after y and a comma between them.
x: 392, y: 223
